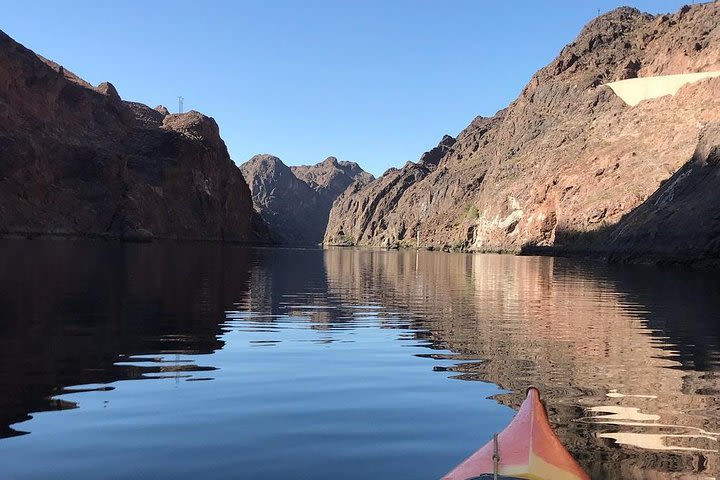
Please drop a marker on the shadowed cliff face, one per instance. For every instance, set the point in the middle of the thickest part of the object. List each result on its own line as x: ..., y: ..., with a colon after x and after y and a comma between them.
x: 78, y: 160
x: 682, y: 218
x: 295, y: 201
x: 568, y: 156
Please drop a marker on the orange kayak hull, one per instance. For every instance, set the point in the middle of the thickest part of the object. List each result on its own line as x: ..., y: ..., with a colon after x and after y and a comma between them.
x: 527, y: 448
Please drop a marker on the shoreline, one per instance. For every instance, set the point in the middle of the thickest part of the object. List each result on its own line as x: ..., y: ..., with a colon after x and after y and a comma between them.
x: 612, y: 257
x: 648, y: 258
x: 20, y: 236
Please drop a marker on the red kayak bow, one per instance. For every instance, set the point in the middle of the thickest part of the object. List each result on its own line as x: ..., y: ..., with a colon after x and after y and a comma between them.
x: 526, y: 449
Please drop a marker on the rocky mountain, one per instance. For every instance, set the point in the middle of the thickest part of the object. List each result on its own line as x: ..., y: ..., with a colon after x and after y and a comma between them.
x: 295, y: 201
x: 568, y: 165
x: 331, y: 177
x: 287, y: 204
x: 77, y: 160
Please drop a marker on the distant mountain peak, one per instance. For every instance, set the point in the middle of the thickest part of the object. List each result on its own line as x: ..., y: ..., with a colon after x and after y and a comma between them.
x: 295, y: 201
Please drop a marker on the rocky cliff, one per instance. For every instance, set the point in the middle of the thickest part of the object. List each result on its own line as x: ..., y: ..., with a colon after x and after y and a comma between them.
x: 568, y: 165
x: 77, y: 160
x: 331, y: 177
x: 295, y: 201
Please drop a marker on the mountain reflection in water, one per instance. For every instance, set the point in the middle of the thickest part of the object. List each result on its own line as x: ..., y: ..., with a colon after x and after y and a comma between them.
x: 79, y: 313
x: 627, y: 358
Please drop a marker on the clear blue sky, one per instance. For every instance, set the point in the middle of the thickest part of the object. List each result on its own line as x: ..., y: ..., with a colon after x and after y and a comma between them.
x: 376, y: 82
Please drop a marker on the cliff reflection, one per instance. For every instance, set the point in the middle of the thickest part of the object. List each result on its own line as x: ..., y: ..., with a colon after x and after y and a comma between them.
x: 86, y: 313
x: 293, y: 283
x: 627, y: 359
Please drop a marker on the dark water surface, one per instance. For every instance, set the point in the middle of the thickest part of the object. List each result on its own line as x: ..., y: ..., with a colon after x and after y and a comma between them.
x: 209, y: 361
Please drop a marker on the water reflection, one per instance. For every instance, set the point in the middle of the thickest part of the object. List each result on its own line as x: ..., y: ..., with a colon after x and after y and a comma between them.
x: 627, y: 358
x: 81, y: 313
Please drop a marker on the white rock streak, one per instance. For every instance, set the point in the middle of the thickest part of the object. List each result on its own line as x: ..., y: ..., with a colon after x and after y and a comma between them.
x: 635, y: 90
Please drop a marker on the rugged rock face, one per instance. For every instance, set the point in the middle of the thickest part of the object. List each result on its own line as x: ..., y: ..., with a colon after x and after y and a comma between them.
x: 77, y: 160
x: 296, y: 201
x: 360, y: 213
x: 331, y: 177
x: 286, y: 204
x: 566, y: 163
x: 682, y: 218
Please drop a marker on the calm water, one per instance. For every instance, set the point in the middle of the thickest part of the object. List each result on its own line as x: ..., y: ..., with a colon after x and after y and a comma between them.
x: 208, y: 361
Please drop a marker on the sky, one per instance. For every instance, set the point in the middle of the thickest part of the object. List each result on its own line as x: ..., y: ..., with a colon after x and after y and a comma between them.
x: 377, y: 82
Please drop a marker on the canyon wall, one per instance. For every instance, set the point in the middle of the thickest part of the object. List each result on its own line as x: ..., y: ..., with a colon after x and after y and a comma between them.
x: 568, y: 165
x: 295, y: 201
x: 77, y: 160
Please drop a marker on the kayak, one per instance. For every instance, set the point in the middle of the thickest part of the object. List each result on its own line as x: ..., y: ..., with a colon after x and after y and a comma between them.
x: 526, y: 449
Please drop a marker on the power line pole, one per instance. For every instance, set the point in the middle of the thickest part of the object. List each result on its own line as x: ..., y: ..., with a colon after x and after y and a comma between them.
x: 180, y: 104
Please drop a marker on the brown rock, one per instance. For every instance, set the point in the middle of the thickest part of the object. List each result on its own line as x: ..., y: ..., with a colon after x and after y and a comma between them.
x: 295, y: 201
x: 77, y: 160
x: 358, y: 215
x: 567, y: 132
x: 330, y: 178
x: 682, y: 217
x: 107, y: 88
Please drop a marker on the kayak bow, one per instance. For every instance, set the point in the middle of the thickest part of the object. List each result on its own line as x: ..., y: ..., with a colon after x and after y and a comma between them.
x: 526, y: 449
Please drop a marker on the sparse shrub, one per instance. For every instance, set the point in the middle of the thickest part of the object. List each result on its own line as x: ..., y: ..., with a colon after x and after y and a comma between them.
x: 469, y: 212
x: 345, y: 241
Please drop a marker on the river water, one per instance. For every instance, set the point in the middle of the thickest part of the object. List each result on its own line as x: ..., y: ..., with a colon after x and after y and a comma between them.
x: 186, y: 361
